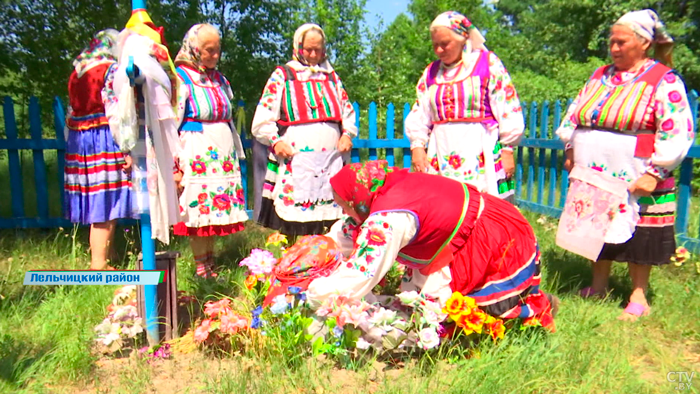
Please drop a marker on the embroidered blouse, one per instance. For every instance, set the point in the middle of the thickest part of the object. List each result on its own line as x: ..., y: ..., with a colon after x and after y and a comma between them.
x: 502, y: 99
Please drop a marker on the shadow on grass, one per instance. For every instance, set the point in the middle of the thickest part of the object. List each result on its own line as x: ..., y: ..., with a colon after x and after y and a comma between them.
x: 17, y: 358
x: 570, y: 273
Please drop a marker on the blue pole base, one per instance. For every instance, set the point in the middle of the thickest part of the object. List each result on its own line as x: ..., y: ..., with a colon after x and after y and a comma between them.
x: 150, y: 292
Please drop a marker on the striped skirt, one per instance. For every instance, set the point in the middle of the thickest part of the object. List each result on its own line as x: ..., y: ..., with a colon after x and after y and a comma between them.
x: 499, y: 266
x: 654, y: 241
x: 96, y: 188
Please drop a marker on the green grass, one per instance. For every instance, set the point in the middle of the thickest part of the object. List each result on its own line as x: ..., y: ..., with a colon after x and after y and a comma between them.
x: 46, y: 334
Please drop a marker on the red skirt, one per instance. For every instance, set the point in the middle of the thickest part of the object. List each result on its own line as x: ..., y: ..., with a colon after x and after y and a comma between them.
x: 207, y: 231
x: 498, y: 264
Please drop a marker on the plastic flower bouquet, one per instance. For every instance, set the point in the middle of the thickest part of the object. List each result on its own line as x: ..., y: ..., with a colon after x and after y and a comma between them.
x: 217, y: 331
x: 122, y: 326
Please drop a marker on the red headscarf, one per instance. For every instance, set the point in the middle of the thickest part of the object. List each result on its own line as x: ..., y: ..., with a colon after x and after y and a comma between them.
x: 359, y: 184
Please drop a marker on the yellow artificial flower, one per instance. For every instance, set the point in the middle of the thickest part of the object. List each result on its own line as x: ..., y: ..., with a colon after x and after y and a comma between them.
x: 276, y: 239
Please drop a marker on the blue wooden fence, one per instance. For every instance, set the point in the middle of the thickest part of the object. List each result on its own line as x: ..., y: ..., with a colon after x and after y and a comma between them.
x: 541, y: 181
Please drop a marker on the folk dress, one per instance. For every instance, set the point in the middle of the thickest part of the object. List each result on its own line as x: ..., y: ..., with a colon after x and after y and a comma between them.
x: 309, y: 110
x: 213, y: 200
x: 465, y: 115
x: 96, y: 187
x: 625, y: 125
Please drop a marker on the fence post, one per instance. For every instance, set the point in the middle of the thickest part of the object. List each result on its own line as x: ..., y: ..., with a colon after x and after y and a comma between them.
x: 544, y: 134
x: 59, y: 121
x: 531, y: 151
x: 406, y: 152
x: 40, y: 182
x: 554, y: 156
x: 520, y: 152
x: 372, y: 123
x: 16, y: 184
x: 390, y: 133
x: 354, y: 152
x: 564, y: 174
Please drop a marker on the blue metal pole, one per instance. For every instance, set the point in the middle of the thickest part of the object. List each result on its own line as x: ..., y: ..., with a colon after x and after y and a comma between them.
x: 148, y: 247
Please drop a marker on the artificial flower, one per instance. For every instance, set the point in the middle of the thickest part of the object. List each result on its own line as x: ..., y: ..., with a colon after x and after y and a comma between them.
x: 362, y: 344
x: 409, y: 298
x: 279, y: 304
x: 337, y: 331
x: 352, y: 314
x: 458, y: 304
x: 682, y: 254
x: 215, y: 308
x: 276, y: 239
x: 496, y: 329
x: 382, y: 318
x: 294, y: 290
x: 472, y: 322
x: 259, y: 262
x: 250, y: 282
x: 202, y: 332
x: 428, y: 338
x: 231, y: 323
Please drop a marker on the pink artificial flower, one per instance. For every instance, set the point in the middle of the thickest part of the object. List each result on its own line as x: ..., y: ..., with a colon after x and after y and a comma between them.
x: 215, y: 308
x: 202, y: 332
x: 354, y: 314
x: 231, y: 323
x: 260, y: 262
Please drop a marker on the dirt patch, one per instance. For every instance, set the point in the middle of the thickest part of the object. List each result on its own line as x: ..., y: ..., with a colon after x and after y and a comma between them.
x: 190, y: 372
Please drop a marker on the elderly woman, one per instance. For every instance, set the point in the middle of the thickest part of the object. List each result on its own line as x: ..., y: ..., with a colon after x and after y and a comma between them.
x: 471, y: 243
x: 212, y: 201
x: 97, y: 184
x: 632, y: 122
x: 467, y: 115
x: 307, y: 120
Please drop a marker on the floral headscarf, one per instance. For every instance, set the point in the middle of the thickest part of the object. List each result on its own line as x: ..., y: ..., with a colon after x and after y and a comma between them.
x: 311, y: 257
x: 463, y: 27
x: 299, y: 63
x: 359, y: 183
x: 647, y: 24
x: 102, y: 49
x: 190, y: 51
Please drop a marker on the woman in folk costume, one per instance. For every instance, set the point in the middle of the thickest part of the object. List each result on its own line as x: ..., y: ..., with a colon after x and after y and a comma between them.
x: 631, y: 123
x: 212, y: 200
x: 97, y: 183
x: 306, y: 119
x: 467, y: 114
x: 472, y: 242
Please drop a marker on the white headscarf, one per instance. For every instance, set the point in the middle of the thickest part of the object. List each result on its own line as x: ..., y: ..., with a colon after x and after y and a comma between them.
x: 463, y: 27
x: 299, y: 63
x: 646, y: 23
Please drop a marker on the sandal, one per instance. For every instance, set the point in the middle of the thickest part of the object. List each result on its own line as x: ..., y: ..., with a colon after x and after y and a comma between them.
x: 588, y: 292
x: 634, y: 311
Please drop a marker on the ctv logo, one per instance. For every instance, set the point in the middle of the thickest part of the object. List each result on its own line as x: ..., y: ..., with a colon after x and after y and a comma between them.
x: 681, y: 379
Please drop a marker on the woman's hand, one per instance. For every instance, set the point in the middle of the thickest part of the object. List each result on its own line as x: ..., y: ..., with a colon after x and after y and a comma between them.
x: 419, y: 160
x: 644, y: 186
x: 569, y: 161
x: 345, y: 144
x: 508, y: 162
x: 283, y: 150
x: 127, y: 163
x: 177, y: 176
